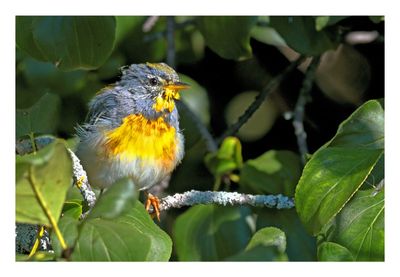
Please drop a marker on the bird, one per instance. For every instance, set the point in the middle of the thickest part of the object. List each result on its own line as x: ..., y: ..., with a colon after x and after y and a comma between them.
x: 132, y: 130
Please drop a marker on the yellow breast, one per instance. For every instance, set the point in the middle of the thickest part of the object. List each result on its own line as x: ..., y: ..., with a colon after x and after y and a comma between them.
x: 149, y: 140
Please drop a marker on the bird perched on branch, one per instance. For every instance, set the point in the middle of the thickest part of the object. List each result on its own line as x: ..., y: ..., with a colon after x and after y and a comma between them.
x: 132, y: 129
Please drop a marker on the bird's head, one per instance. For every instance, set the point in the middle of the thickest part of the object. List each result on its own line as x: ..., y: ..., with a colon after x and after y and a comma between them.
x: 153, y: 81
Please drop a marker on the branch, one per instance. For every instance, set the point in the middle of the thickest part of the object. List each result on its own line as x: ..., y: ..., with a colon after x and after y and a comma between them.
x: 260, y: 99
x: 81, y: 181
x: 298, y: 113
x: 195, y: 197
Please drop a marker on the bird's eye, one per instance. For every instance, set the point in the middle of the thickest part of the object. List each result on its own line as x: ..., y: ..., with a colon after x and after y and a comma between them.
x: 153, y: 81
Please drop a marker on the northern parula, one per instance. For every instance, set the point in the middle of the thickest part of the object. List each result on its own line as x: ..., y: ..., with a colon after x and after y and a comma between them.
x: 132, y: 129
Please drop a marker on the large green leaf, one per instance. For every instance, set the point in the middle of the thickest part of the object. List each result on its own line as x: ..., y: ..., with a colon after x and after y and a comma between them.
x: 337, y: 170
x: 273, y: 172
x: 267, y: 244
x: 300, y: 245
x: 69, y: 42
x: 43, y: 180
x: 300, y: 34
x: 360, y: 226
x: 211, y: 233
x: 131, y: 237
x: 228, y: 36
x: 41, y: 118
x: 333, y: 252
x: 118, y: 199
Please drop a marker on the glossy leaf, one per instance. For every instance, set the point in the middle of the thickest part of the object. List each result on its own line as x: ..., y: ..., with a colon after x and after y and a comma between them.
x: 131, y: 237
x: 41, y: 118
x: 300, y: 34
x: 337, y: 170
x: 300, y: 245
x: 228, y: 36
x: 360, y: 226
x: 42, y: 184
x: 333, y: 252
x: 267, y: 244
x: 210, y: 233
x: 118, y: 199
x: 273, y: 172
x: 69, y: 42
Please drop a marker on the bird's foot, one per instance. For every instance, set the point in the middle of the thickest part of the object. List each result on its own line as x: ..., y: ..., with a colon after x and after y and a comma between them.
x: 155, y: 203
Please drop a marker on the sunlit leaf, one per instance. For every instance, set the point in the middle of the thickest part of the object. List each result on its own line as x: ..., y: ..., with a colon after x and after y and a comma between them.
x: 338, y: 169
x: 42, y: 184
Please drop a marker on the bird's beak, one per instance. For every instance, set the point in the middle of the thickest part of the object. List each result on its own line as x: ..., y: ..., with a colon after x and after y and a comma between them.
x: 172, y: 89
x: 177, y: 86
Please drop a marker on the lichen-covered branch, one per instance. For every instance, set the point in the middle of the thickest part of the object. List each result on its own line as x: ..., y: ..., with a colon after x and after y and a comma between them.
x: 298, y: 113
x: 233, y: 129
x: 81, y: 181
x: 195, y: 197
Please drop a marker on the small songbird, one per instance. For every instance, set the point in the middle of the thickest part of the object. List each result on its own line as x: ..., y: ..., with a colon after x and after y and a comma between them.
x: 132, y: 129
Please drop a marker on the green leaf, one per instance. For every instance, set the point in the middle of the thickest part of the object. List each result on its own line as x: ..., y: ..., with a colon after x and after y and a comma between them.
x: 273, y: 172
x: 69, y: 42
x: 72, y: 208
x: 131, y: 237
x: 337, y: 170
x: 228, y: 36
x: 300, y: 245
x: 267, y: 244
x: 69, y: 229
x: 42, y: 184
x: 43, y: 76
x: 210, y: 232
x: 360, y: 226
x: 300, y: 34
x: 227, y: 158
x: 41, y: 118
x: 333, y: 252
x: 118, y: 199
x: 324, y: 21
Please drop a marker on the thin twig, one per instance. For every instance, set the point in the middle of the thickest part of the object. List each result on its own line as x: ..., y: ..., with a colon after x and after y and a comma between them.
x: 195, y: 197
x: 260, y: 99
x: 298, y: 113
x: 206, y: 135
